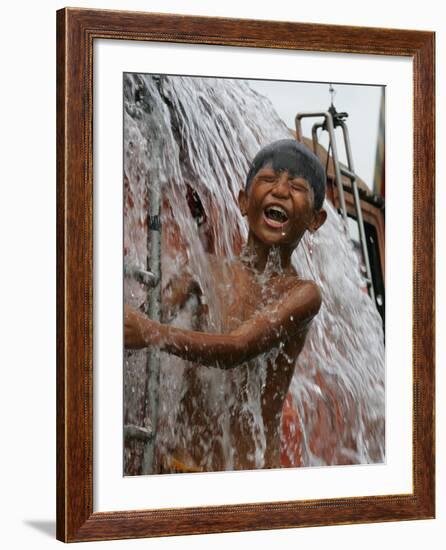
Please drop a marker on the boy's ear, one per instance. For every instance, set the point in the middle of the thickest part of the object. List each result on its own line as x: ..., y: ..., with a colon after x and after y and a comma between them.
x: 318, y: 219
x: 243, y: 202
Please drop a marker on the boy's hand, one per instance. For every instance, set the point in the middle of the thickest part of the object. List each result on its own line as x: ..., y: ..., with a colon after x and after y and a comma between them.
x: 136, y: 328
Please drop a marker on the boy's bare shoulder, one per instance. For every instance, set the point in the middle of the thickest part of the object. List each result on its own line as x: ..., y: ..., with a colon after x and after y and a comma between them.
x: 307, y: 291
x: 293, y: 281
x: 307, y: 284
x: 297, y: 293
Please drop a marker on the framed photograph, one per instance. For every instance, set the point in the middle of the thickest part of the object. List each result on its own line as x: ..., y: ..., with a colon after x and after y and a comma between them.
x: 245, y: 276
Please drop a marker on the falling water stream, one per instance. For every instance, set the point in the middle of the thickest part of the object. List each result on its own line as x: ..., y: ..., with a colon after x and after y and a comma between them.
x: 200, y: 135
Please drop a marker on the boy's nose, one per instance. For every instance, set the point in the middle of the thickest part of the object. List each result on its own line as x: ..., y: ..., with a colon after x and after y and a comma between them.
x: 281, y: 189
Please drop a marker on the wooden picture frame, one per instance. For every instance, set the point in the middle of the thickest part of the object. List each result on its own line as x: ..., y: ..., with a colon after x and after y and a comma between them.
x: 77, y: 29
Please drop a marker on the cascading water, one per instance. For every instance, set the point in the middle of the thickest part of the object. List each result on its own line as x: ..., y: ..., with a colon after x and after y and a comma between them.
x: 200, y: 134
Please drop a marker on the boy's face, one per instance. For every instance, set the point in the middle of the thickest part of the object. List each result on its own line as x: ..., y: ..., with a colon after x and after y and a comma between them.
x: 280, y: 207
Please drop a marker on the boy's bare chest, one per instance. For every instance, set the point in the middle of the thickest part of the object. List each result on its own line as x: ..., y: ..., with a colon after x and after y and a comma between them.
x: 242, y: 295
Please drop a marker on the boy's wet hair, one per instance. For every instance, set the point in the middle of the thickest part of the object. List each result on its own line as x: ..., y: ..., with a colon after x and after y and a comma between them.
x: 295, y: 158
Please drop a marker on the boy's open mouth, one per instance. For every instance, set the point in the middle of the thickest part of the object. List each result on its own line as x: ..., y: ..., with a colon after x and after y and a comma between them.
x: 275, y: 216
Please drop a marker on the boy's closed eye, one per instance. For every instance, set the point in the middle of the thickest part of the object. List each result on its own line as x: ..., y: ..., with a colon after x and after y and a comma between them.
x: 268, y: 178
x: 298, y: 185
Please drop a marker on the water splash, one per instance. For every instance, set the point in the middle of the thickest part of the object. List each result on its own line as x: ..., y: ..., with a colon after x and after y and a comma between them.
x: 202, y: 133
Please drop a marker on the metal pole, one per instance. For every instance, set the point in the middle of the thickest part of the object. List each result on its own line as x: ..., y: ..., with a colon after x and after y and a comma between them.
x: 362, y: 235
x: 154, y: 311
x: 350, y: 173
x: 330, y: 128
x: 315, y: 138
x: 132, y: 431
x: 334, y: 149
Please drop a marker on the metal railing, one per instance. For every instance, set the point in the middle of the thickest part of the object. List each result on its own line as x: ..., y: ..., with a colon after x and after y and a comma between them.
x: 151, y: 279
x: 331, y: 120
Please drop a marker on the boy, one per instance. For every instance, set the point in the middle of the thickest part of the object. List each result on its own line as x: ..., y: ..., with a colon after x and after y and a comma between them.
x: 268, y: 306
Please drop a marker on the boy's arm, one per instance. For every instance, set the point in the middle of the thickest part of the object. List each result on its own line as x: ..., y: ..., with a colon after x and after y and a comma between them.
x: 276, y: 323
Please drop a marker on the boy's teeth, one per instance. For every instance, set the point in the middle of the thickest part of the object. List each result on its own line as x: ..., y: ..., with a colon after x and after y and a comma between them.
x: 276, y: 213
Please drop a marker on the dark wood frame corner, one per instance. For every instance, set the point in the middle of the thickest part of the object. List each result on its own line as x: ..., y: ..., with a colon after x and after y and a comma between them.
x: 76, y: 31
